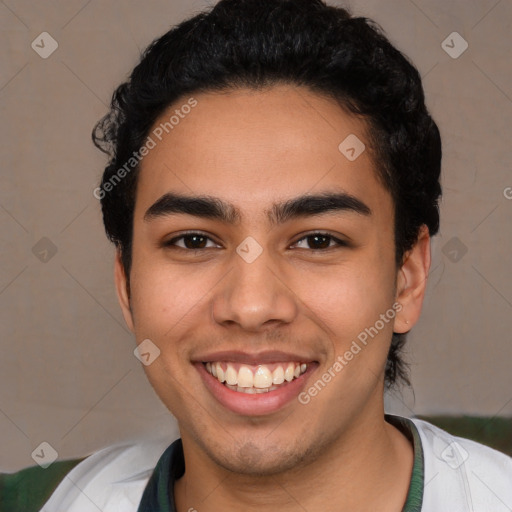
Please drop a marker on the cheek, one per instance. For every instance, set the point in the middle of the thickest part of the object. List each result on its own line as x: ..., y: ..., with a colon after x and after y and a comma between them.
x: 349, y: 299
x: 162, y: 296
x: 351, y: 305
x: 170, y: 300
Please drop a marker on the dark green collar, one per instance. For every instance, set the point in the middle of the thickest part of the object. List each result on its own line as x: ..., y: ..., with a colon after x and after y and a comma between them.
x: 415, y: 495
x: 158, y: 495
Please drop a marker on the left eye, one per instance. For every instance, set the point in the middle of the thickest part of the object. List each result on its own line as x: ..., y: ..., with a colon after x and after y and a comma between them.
x: 319, y: 241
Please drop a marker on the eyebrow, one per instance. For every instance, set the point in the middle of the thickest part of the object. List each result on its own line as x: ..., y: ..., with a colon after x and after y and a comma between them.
x: 209, y: 207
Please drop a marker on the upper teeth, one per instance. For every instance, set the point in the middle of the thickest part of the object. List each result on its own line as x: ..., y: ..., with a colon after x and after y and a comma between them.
x: 260, y: 376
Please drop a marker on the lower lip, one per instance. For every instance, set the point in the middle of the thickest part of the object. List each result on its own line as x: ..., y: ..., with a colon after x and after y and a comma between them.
x: 257, y: 404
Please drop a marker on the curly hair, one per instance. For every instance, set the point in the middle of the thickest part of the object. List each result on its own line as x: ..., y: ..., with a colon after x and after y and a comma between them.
x: 260, y: 43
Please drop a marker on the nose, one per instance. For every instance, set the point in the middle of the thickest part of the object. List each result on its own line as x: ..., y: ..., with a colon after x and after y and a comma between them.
x: 254, y: 296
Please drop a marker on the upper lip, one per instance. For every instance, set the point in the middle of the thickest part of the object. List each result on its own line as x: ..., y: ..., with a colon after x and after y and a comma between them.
x: 252, y: 358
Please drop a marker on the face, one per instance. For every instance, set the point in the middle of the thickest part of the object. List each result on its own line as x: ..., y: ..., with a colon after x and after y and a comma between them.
x: 261, y: 253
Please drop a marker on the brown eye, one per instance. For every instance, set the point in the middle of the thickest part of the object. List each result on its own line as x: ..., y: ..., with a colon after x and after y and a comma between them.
x: 195, y: 241
x: 191, y: 241
x: 319, y: 241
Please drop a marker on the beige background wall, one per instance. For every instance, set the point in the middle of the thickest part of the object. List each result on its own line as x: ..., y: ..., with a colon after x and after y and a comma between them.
x: 67, y: 371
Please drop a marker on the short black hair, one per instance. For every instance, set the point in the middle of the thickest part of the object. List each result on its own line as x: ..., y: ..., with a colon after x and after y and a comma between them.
x: 259, y: 43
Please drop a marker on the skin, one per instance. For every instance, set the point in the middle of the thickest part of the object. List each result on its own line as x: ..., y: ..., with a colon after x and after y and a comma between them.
x: 253, y: 149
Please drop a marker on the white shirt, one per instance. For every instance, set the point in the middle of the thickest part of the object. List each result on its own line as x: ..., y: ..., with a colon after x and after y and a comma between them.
x: 459, y: 476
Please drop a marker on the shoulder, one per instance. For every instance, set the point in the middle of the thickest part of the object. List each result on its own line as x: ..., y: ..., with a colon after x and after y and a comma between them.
x: 462, y: 475
x: 111, y: 479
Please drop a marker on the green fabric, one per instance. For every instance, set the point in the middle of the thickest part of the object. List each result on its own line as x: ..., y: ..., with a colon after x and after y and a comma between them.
x: 158, y: 495
x: 29, y: 489
x: 414, y: 499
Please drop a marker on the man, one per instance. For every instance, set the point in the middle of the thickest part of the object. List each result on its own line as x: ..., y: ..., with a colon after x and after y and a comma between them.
x: 272, y: 188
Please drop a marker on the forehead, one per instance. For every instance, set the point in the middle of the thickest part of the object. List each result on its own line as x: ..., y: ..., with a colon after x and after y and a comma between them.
x: 252, y: 148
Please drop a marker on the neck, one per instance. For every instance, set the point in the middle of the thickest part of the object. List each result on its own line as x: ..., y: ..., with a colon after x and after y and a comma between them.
x: 367, y: 468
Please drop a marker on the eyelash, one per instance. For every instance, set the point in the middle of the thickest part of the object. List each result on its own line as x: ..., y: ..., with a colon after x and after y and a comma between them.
x: 172, y: 243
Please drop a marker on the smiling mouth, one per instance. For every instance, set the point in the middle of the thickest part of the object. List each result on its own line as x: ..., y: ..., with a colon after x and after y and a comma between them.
x: 253, y: 379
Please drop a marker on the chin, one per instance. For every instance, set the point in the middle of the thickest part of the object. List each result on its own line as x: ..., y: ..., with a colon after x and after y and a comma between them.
x: 253, y: 459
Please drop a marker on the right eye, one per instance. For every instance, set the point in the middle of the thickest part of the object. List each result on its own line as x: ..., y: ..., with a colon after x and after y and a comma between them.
x: 191, y: 241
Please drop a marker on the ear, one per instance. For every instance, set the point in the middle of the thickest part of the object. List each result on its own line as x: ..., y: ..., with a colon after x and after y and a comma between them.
x: 122, y: 290
x: 412, y: 282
